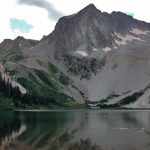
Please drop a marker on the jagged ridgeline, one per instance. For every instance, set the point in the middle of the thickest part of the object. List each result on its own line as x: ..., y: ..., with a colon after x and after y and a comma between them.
x: 91, y: 58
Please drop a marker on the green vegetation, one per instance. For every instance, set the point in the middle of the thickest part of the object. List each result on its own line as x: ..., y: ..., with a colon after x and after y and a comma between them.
x: 25, y: 83
x: 82, y: 77
x: 12, y: 98
x: 18, y: 57
x: 102, y: 101
x: 13, y: 58
x: 11, y: 72
x: 131, y: 99
x: 37, y: 84
x: 34, y: 85
x: 45, y: 77
x: 45, y: 90
x: 52, y: 68
x: 82, y: 94
x: 9, y: 54
x: 64, y: 79
x: 6, y: 118
x: 127, y: 100
x: 39, y: 62
x: 70, y: 57
x: 6, y: 103
x: 109, y: 97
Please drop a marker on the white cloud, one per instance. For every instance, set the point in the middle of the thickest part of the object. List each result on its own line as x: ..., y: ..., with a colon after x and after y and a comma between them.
x: 39, y: 19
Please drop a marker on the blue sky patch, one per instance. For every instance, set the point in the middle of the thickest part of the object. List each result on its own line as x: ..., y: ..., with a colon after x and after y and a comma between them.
x: 130, y: 14
x: 22, y: 25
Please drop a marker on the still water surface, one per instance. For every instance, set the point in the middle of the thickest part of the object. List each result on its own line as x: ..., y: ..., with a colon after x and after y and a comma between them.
x: 74, y: 130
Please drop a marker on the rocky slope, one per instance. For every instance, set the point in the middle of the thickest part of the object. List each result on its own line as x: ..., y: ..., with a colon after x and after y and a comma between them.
x: 90, y: 31
x: 9, y: 48
x: 95, y: 57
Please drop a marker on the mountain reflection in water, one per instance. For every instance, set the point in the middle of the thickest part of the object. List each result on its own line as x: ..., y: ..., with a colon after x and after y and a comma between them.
x: 75, y: 130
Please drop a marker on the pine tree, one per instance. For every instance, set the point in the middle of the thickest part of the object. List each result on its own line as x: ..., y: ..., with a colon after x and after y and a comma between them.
x: 4, y: 89
x: 1, y: 79
x: 8, y: 88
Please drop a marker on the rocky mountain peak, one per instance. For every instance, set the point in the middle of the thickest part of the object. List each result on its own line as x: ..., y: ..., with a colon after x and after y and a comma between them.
x: 110, y: 50
x: 89, y: 11
x: 89, y: 7
x: 90, y: 29
x: 20, y: 38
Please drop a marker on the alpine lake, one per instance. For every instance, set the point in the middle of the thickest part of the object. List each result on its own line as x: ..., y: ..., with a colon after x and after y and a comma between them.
x: 75, y: 130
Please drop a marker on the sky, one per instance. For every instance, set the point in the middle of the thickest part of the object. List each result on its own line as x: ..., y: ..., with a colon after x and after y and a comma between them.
x: 33, y: 19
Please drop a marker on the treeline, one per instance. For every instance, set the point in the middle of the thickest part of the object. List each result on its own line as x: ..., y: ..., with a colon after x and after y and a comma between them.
x: 19, y: 99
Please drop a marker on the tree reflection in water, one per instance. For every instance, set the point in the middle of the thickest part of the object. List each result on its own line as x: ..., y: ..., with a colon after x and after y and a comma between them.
x: 10, y: 128
x: 83, y: 145
x: 74, y: 130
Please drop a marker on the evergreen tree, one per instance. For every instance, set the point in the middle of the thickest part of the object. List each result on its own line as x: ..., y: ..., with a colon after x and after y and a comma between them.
x: 8, y: 88
x: 1, y: 79
x: 19, y: 99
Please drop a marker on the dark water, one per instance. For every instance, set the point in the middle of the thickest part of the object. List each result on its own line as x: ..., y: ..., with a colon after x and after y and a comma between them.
x: 75, y: 130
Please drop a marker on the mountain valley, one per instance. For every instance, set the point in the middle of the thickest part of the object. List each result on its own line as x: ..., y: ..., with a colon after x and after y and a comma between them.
x: 91, y: 58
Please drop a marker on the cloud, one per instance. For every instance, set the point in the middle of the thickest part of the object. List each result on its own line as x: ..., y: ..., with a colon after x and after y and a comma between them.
x: 53, y: 14
x: 130, y: 14
x: 19, y: 26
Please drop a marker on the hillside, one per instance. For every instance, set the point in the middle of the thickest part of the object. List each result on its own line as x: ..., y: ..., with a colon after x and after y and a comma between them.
x: 92, y: 57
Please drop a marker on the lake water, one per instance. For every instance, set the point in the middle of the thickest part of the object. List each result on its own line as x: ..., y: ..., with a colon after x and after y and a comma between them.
x: 75, y: 130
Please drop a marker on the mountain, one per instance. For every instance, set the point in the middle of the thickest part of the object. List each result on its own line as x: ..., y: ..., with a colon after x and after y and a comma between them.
x: 93, y: 57
x: 90, y: 30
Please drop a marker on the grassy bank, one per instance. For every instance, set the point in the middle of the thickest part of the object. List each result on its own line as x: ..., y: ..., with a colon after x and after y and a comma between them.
x: 7, y: 104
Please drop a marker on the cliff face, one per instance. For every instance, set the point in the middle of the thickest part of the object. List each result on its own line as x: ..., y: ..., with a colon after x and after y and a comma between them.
x: 84, y: 31
x: 91, y: 30
x: 95, y: 56
x: 117, y: 40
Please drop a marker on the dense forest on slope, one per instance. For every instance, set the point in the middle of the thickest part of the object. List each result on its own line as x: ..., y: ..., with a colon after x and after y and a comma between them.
x: 12, y: 98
